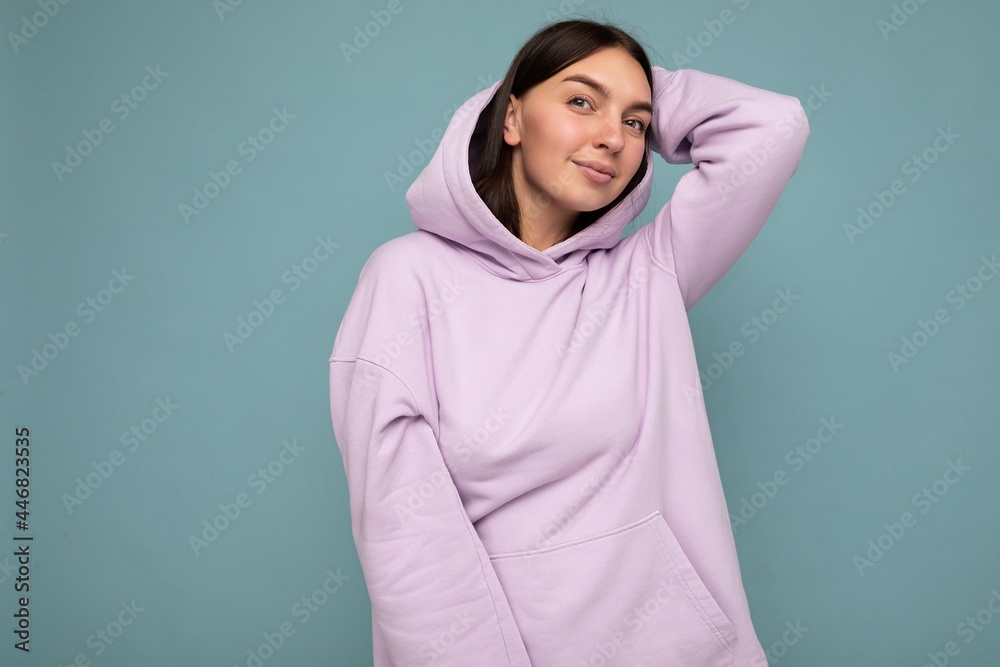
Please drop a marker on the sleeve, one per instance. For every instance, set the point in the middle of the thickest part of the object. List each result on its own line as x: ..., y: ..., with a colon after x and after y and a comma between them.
x: 433, y: 590
x: 745, y: 143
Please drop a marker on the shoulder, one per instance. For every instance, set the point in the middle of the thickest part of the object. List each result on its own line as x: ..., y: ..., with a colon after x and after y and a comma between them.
x: 404, y: 255
x: 399, y: 260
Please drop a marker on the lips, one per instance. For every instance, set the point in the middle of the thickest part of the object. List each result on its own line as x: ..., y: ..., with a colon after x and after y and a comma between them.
x: 597, y: 166
x: 596, y: 172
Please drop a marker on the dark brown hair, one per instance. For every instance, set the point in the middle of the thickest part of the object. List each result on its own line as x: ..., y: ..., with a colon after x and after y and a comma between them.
x: 548, y: 51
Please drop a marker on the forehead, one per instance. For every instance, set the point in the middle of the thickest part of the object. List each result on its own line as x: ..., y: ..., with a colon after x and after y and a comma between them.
x: 616, y: 74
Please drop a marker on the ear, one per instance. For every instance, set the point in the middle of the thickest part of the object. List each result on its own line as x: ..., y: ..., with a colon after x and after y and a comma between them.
x: 512, y: 122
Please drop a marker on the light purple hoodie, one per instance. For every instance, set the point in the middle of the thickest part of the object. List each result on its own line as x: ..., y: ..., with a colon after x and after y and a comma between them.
x: 531, y: 474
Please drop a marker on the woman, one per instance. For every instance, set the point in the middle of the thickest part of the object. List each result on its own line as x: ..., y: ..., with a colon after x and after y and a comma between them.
x: 514, y: 388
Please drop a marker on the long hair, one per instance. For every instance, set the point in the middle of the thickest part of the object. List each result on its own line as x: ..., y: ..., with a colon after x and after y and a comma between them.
x: 548, y: 51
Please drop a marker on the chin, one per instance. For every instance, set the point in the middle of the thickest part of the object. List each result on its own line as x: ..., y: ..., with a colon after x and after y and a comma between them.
x: 585, y: 204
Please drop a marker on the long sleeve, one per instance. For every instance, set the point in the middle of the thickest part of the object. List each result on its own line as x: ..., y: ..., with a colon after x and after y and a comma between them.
x: 745, y: 143
x: 433, y: 589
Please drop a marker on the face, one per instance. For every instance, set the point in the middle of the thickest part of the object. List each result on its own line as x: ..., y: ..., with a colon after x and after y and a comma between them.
x: 558, y: 126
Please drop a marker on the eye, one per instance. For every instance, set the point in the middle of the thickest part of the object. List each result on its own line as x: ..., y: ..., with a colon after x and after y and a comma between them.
x: 640, y: 126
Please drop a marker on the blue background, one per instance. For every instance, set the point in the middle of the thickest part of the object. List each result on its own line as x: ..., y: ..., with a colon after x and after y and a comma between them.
x: 321, y: 181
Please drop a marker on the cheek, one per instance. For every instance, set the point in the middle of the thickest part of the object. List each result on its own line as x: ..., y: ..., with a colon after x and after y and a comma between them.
x: 547, y: 150
x: 634, y: 159
x: 556, y: 138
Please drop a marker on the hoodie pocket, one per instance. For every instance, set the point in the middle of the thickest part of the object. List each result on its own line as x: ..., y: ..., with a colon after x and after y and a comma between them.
x: 628, y: 596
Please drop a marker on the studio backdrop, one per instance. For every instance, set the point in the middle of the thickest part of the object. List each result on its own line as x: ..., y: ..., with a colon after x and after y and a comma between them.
x: 189, y: 192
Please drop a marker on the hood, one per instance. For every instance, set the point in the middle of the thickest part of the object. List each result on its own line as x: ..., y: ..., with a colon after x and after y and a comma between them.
x: 443, y: 201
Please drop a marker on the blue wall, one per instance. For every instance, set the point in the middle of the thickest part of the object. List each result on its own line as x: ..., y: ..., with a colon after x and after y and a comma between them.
x: 190, y: 190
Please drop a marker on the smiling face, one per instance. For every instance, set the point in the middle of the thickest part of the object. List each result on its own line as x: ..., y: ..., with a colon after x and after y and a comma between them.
x: 568, y: 121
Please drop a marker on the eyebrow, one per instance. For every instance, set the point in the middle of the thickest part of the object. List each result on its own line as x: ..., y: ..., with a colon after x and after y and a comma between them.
x: 603, y: 90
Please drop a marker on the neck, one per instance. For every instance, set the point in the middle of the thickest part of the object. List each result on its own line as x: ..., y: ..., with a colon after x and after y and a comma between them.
x: 543, y: 223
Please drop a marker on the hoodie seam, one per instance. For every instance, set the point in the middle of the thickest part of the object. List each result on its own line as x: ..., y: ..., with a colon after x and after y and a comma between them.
x: 474, y: 535
x: 398, y: 379
x: 561, y: 269
x: 655, y: 262
x: 669, y: 85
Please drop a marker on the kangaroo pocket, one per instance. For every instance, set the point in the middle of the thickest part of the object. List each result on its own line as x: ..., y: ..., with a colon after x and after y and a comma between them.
x: 627, y: 596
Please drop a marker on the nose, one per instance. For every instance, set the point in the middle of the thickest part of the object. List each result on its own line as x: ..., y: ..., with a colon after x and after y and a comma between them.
x: 612, y: 135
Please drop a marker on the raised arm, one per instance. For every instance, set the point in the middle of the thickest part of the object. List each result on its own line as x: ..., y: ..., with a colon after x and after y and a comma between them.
x: 434, y: 593
x: 745, y: 143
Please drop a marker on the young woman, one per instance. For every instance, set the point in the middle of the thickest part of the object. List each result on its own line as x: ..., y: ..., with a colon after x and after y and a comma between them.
x: 514, y: 388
